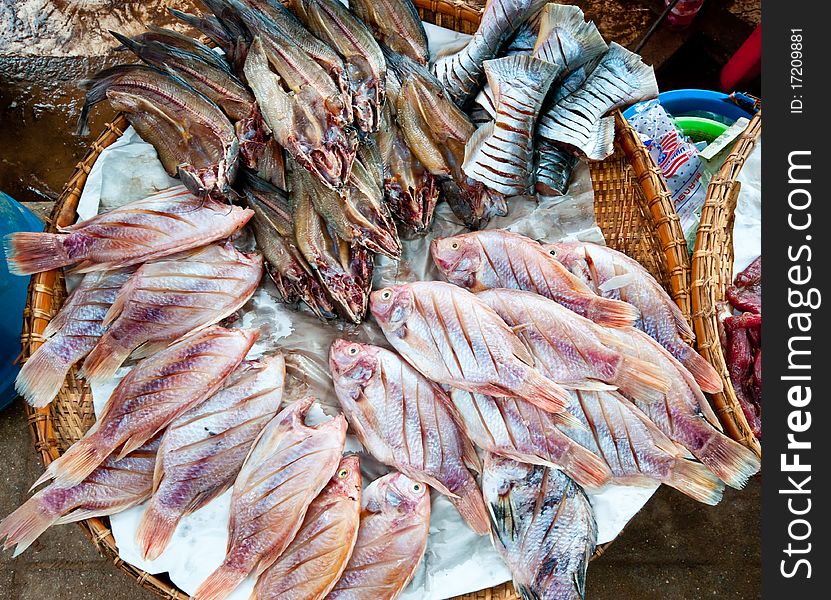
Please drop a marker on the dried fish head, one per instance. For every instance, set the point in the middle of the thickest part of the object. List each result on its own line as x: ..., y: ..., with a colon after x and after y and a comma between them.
x: 347, y: 479
x: 459, y: 258
x: 392, y: 307
x: 398, y: 492
x: 352, y: 361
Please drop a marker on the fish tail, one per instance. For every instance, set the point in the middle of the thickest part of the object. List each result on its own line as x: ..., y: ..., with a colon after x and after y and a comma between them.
x: 82, y: 458
x: 42, y: 375
x: 32, y: 252
x: 733, y: 463
x: 612, y: 313
x: 220, y: 583
x: 696, y: 481
x: 704, y: 373
x: 544, y: 393
x: 105, y: 359
x: 586, y: 468
x: 641, y: 380
x: 471, y: 506
x: 155, y: 530
x: 96, y: 89
x: 26, y: 524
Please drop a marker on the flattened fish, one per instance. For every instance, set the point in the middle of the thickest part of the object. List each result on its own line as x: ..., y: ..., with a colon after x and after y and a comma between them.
x: 396, y: 24
x: 171, y: 297
x: 543, y: 528
x: 315, y: 560
x: 171, y: 221
x: 553, y: 167
x: 116, y: 485
x: 408, y: 423
x: 501, y: 259
x: 151, y: 395
x: 501, y: 154
x: 395, y: 521
x: 615, y: 275
x: 619, y: 79
x: 454, y: 338
x: 203, y: 450
x: 566, y: 39
x: 70, y: 335
x: 288, y: 466
x: 192, y: 136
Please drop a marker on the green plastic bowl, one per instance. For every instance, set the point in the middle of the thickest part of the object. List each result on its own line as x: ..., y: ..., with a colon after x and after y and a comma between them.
x: 699, y: 129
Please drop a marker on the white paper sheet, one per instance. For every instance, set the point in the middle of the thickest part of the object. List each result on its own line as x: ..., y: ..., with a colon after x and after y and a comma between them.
x: 747, y: 229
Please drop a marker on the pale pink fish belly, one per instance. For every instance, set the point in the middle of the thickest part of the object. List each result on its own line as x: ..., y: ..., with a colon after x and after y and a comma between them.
x: 203, y: 450
x: 287, y: 468
x: 151, y: 395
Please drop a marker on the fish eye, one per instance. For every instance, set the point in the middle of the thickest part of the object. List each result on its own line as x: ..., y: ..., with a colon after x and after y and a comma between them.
x: 552, y: 252
x: 343, y: 473
x: 386, y: 295
x: 454, y: 245
x: 417, y: 487
x: 353, y: 350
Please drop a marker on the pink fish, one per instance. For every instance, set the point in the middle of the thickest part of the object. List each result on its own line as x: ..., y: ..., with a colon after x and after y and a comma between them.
x: 288, y: 466
x: 113, y: 487
x: 454, y: 338
x: 168, y: 222
x: 395, y: 521
x: 70, y: 335
x: 315, y: 560
x: 153, y: 394
x: 203, y: 450
x: 171, y: 297
x: 408, y: 423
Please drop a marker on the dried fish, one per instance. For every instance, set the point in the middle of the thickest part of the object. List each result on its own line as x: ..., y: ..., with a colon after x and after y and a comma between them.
x: 497, y: 258
x: 171, y: 297
x: 453, y: 338
x: 203, y: 450
x: 395, y: 522
x: 543, y: 528
x: 619, y: 79
x: 288, y: 466
x: 396, y: 24
x: 500, y: 154
x: 116, y: 485
x: 408, y: 423
x: 69, y: 336
x: 227, y: 35
x: 461, y: 73
x: 316, y: 558
x: 192, y: 136
x: 553, y: 167
x: 151, y: 395
x: 169, y: 38
x: 566, y: 39
x: 171, y: 221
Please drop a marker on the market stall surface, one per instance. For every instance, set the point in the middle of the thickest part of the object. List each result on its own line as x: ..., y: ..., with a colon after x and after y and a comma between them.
x: 674, y: 549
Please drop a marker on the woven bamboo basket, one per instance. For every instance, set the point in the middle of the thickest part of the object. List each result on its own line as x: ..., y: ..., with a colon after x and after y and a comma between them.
x: 712, y: 274
x: 632, y: 205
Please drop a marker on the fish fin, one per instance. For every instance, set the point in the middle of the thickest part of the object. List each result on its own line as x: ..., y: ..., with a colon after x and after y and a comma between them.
x: 696, y: 481
x: 586, y: 468
x: 536, y: 389
x: 82, y: 514
x: 640, y: 74
x: 26, y: 524
x: 30, y: 252
x: 72, y: 467
x: 133, y: 443
x: 121, y: 299
x: 728, y: 459
x: 641, y: 380
x: 569, y: 421
x: 155, y: 530
x: 589, y: 385
x: 42, y: 375
x: 612, y: 313
x: 617, y: 282
x: 151, y: 348
x: 585, y: 35
x: 506, y: 70
x: 104, y: 359
x: 220, y: 583
x: 471, y: 506
x: 681, y: 324
x: 469, y: 455
x: 601, y: 141
x: 515, y: 329
x: 704, y: 373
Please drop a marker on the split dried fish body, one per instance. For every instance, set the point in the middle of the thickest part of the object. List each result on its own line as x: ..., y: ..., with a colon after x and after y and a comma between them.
x: 174, y: 220
x: 566, y: 39
x: 454, y: 338
x: 315, y: 560
x: 461, y: 73
x: 543, y: 527
x: 408, y: 423
x: 171, y: 297
x: 288, y: 466
x: 620, y: 78
x: 115, y: 486
x: 70, y: 335
x: 151, y: 395
x: 286, y: 265
x: 180, y: 41
x: 501, y: 259
x: 192, y: 136
x: 501, y: 154
x: 517, y: 429
x: 396, y: 24
x: 553, y: 167
x: 395, y: 522
x: 203, y: 450
x: 615, y: 275
x: 228, y: 35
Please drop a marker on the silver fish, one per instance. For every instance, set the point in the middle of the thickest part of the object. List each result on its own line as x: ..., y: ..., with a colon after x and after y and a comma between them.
x: 543, y: 528
x: 408, y: 423
x: 203, y: 450
x: 566, y: 39
x: 553, y: 167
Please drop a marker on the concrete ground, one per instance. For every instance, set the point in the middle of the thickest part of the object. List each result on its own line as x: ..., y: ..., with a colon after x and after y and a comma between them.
x: 674, y: 549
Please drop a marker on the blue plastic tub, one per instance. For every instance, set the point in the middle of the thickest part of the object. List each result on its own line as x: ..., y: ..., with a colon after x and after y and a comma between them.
x: 698, y: 103
x: 13, y: 290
